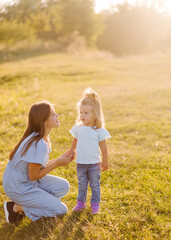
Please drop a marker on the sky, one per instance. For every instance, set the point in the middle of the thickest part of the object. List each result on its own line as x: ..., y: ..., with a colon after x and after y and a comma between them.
x: 105, y: 4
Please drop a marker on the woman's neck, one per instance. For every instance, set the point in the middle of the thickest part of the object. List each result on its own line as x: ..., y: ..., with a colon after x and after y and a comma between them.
x: 46, y: 134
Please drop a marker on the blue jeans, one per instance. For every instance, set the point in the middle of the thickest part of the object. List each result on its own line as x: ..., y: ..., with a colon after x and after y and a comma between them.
x: 89, y: 173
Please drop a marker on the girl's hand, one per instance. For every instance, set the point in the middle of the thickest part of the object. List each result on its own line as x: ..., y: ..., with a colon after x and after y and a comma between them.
x: 70, y: 151
x: 105, y: 166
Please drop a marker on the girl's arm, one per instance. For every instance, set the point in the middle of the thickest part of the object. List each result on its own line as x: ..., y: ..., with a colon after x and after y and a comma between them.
x: 73, y: 147
x: 74, y: 144
x: 35, y: 171
x: 103, y: 148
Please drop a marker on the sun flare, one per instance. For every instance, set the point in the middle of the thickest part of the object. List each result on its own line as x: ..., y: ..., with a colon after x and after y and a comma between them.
x: 165, y: 5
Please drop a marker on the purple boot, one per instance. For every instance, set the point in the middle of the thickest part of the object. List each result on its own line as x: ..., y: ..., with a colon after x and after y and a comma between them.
x: 79, y: 207
x: 95, y: 208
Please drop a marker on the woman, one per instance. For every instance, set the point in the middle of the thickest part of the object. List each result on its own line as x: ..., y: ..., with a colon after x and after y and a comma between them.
x: 26, y: 181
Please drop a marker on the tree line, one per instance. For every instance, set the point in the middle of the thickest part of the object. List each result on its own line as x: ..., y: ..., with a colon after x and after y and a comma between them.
x: 124, y: 29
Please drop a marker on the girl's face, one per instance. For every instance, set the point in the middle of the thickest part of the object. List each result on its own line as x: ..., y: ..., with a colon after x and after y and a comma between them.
x: 86, y: 115
x: 52, y: 120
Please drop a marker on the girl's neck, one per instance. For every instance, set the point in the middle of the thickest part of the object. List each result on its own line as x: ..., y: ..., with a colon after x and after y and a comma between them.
x: 94, y: 127
x: 87, y: 125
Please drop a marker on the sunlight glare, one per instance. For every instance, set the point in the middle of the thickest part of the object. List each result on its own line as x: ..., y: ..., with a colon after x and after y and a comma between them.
x: 167, y: 5
x: 104, y: 5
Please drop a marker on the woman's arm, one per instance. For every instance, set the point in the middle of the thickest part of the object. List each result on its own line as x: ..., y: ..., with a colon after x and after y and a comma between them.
x: 103, y: 148
x: 35, y: 171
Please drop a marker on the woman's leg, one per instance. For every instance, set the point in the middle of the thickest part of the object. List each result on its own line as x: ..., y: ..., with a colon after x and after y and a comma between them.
x: 11, y: 215
x: 17, y: 208
x: 38, y: 203
x: 42, y: 200
x: 56, y: 186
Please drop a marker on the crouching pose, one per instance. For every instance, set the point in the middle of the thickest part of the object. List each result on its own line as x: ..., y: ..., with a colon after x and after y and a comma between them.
x: 26, y: 181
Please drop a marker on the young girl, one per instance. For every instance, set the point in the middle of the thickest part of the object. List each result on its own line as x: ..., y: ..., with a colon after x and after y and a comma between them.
x: 26, y: 181
x: 89, y: 134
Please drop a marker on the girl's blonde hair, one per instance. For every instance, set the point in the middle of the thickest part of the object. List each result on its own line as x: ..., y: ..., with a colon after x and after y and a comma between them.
x: 91, y: 98
x: 38, y: 114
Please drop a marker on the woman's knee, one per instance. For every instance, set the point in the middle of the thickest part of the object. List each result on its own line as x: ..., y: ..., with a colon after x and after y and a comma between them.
x: 63, y: 210
x: 64, y: 189
x: 67, y: 186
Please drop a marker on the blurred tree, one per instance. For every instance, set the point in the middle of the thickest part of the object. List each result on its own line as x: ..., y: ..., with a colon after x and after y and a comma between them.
x: 132, y: 29
x: 124, y: 29
x: 13, y: 32
x: 21, y: 10
x: 78, y: 15
x: 57, y: 19
x: 47, y: 23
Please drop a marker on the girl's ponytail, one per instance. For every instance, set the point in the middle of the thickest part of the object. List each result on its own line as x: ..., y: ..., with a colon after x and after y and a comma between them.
x: 89, y: 93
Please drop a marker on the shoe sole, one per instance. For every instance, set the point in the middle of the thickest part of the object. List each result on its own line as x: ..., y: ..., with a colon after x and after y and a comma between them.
x: 6, y: 212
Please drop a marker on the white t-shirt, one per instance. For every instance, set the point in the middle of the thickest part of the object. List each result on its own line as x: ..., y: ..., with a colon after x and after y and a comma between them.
x: 88, y: 139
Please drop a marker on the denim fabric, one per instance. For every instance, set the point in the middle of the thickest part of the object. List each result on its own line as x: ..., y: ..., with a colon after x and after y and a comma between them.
x: 89, y: 174
x: 42, y: 199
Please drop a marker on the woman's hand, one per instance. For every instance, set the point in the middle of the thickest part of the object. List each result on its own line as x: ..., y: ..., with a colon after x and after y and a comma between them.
x: 65, y: 159
x: 35, y: 171
x: 70, y: 151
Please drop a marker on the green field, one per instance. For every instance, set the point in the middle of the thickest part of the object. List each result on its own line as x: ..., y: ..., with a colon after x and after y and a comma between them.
x: 136, y: 100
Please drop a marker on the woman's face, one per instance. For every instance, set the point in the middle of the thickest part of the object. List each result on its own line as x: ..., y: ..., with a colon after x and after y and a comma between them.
x: 52, y: 120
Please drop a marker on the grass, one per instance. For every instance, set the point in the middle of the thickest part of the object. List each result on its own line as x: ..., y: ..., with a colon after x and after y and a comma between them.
x: 136, y: 100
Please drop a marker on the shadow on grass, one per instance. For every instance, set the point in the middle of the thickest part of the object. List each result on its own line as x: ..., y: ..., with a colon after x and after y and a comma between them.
x: 73, y: 226
x: 27, y: 230
x: 17, y: 55
x: 6, y: 231
x: 61, y: 228
x: 79, y: 233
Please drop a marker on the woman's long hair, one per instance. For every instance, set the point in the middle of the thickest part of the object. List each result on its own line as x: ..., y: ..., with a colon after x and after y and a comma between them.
x: 38, y: 114
x: 91, y: 98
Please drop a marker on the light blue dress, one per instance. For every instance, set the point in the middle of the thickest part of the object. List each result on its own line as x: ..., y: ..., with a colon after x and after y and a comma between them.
x: 40, y: 198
